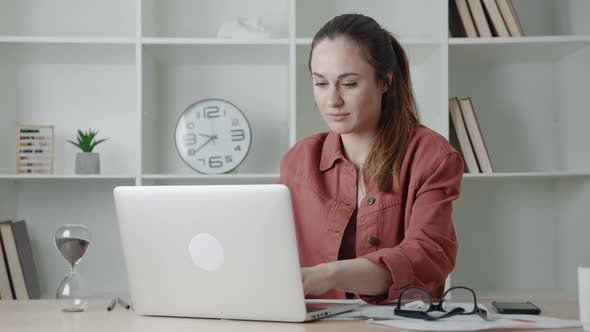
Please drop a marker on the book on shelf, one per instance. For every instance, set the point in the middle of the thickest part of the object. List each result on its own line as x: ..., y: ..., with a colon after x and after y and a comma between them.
x: 460, y: 20
x: 479, y: 17
x: 495, y: 18
x: 483, y: 18
x: 475, y: 135
x: 459, y: 138
x: 19, y: 258
x: 512, y: 23
x: 5, y: 284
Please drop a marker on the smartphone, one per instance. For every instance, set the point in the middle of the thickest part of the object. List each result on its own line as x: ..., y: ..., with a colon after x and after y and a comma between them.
x: 521, y: 308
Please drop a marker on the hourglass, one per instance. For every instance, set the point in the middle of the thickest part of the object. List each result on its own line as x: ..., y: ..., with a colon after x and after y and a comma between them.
x: 72, y: 241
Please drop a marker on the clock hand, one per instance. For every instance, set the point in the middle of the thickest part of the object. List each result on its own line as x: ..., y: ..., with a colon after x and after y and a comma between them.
x: 215, y: 136
x: 203, y: 145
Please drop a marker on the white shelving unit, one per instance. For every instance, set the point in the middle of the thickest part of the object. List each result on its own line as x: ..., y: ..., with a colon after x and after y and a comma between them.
x: 130, y: 68
x: 522, y: 229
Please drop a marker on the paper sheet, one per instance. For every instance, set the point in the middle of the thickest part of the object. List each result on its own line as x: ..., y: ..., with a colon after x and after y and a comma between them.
x: 473, y: 323
x: 365, y: 312
x: 383, y: 315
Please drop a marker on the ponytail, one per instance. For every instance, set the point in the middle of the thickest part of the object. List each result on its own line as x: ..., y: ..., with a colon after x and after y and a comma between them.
x: 398, y: 121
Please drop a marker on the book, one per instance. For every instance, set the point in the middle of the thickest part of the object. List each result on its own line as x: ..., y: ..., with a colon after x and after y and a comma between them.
x: 19, y: 257
x: 5, y: 284
x: 475, y: 135
x: 459, y: 138
x: 479, y: 17
x: 516, y: 17
x: 512, y: 23
x: 456, y: 28
x: 460, y: 20
x: 497, y: 22
x: 455, y: 143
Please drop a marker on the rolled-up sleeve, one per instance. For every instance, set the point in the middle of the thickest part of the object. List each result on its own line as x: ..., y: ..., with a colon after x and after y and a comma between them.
x: 428, y: 251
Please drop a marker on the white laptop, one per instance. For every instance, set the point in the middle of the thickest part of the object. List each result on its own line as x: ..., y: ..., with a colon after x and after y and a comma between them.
x: 225, y: 251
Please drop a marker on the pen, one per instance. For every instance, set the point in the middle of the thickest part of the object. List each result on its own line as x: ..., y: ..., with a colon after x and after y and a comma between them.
x: 112, y: 304
x: 123, y: 303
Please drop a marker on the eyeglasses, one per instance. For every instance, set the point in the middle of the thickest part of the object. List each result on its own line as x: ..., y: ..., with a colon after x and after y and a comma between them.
x: 416, y: 302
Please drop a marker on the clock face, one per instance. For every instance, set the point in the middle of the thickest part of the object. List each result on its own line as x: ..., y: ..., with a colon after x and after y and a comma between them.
x: 213, y: 136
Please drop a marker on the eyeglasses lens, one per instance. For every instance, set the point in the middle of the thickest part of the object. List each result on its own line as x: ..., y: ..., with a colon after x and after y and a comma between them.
x: 415, y: 299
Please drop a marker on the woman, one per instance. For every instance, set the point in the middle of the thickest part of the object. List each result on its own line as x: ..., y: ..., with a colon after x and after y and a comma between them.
x: 373, y: 197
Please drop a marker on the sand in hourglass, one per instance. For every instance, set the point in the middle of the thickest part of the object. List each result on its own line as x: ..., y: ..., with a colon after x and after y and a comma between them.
x: 72, y: 249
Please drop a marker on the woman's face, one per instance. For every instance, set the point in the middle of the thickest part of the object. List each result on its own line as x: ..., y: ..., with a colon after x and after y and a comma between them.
x: 344, y: 87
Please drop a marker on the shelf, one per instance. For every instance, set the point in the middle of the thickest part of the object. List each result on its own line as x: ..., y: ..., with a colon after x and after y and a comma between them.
x: 202, y: 179
x: 176, y: 76
x: 70, y: 86
x: 404, y: 42
x: 526, y: 235
x: 542, y: 49
x: 213, y: 41
x: 582, y: 39
x: 525, y: 175
x: 529, y: 99
x: 66, y: 40
x: 36, y: 177
x: 267, y: 176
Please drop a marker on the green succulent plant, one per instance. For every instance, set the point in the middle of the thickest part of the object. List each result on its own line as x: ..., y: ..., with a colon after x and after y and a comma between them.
x: 86, y: 140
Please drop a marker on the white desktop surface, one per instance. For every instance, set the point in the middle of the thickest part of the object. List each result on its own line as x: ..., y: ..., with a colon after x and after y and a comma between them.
x: 45, y: 315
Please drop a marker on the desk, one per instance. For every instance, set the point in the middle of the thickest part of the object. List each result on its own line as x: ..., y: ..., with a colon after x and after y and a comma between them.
x: 45, y: 315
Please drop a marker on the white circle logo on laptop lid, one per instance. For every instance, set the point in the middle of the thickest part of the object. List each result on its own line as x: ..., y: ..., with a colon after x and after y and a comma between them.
x: 206, y: 252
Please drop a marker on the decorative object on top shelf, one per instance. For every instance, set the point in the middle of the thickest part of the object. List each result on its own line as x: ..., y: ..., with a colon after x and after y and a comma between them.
x: 243, y: 27
x: 34, y: 149
x: 72, y: 241
x: 87, y: 162
x: 213, y: 136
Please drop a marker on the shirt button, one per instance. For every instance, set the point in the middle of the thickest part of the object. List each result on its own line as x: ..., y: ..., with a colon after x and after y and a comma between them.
x: 371, y: 201
x: 373, y: 241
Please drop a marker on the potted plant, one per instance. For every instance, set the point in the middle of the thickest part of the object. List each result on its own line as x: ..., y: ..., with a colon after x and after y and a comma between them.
x: 87, y: 162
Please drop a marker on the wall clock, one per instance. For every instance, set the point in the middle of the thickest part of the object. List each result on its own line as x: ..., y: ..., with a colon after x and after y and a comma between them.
x: 213, y: 136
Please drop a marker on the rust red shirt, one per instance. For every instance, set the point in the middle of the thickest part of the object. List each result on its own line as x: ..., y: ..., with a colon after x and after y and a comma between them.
x: 409, y: 231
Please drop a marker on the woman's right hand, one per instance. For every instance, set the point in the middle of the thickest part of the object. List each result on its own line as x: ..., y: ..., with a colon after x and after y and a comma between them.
x: 317, y: 279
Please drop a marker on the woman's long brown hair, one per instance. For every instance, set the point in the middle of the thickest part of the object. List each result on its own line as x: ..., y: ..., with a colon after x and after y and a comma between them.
x: 399, y: 117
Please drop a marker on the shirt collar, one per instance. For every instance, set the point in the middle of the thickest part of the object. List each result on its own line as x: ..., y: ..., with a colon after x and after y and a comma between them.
x: 331, y: 151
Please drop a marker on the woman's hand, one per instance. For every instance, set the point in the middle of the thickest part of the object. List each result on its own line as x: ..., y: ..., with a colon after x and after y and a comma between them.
x: 317, y: 279
x: 357, y: 276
